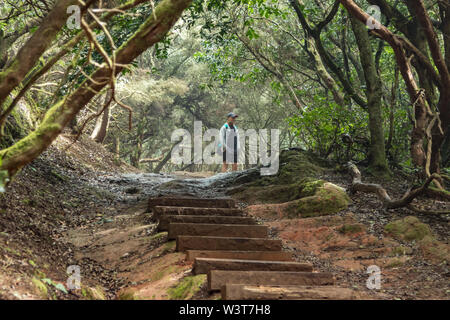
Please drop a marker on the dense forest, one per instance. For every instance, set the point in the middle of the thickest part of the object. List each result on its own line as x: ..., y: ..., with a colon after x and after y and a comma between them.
x: 313, y: 69
x: 356, y: 84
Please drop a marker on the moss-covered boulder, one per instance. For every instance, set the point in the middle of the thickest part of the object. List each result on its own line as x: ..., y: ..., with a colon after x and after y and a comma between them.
x: 296, y: 187
x: 409, y: 228
x: 327, y: 199
x: 277, y: 193
x: 295, y: 165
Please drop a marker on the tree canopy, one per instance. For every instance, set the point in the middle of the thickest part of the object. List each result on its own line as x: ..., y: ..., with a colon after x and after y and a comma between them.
x: 366, y: 81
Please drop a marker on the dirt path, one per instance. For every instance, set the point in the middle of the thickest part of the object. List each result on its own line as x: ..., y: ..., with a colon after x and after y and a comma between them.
x: 123, y: 249
x: 123, y: 241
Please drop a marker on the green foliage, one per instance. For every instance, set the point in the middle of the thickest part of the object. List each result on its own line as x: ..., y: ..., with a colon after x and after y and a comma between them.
x: 57, y: 286
x: 247, y: 56
x: 321, y: 127
x: 40, y: 287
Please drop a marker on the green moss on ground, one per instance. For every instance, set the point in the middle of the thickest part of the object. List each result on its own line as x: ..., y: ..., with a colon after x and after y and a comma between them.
x: 409, y: 228
x: 170, y: 245
x: 187, y: 287
x: 40, y: 287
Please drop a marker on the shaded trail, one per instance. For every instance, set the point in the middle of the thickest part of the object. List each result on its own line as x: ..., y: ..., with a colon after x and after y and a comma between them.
x: 142, y: 260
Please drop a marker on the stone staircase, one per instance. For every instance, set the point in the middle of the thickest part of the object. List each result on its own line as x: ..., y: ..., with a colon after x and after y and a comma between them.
x: 236, y: 253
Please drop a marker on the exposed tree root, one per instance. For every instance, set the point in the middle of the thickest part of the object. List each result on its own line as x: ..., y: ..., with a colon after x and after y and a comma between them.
x: 439, y: 194
x: 388, y: 203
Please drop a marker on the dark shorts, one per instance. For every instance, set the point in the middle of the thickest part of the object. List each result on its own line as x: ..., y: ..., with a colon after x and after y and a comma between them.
x: 232, y: 157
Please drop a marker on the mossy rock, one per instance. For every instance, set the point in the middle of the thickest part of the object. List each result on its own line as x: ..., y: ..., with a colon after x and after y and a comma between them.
x: 187, y: 287
x: 295, y: 165
x: 41, y: 288
x: 277, y: 193
x: 327, y: 199
x: 409, y: 228
x: 309, y: 186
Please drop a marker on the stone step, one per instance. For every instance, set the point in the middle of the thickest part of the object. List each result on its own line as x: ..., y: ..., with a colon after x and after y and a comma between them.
x: 249, y: 292
x: 164, y: 220
x: 217, y: 230
x: 160, y: 211
x: 227, y: 243
x: 218, y: 278
x: 243, y: 255
x: 191, y: 202
x: 204, y: 265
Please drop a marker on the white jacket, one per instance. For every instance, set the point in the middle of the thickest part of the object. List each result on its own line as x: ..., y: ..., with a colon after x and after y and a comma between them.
x: 226, y: 138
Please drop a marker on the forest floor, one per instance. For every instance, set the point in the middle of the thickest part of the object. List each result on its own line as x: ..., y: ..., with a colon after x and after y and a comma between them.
x: 82, y: 207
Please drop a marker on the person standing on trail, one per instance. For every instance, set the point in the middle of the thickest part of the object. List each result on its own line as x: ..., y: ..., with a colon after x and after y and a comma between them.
x: 229, y: 142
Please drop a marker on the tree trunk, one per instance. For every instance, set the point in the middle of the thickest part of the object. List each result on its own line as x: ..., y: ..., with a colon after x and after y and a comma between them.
x: 30, y: 53
x: 324, y: 75
x: 102, y: 123
x: 392, y: 104
x: 420, y: 105
x: 377, y: 155
x: 153, y: 30
x: 420, y: 32
x: 117, y: 148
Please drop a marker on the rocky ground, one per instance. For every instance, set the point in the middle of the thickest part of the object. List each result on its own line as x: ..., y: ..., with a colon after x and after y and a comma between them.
x: 81, y: 207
